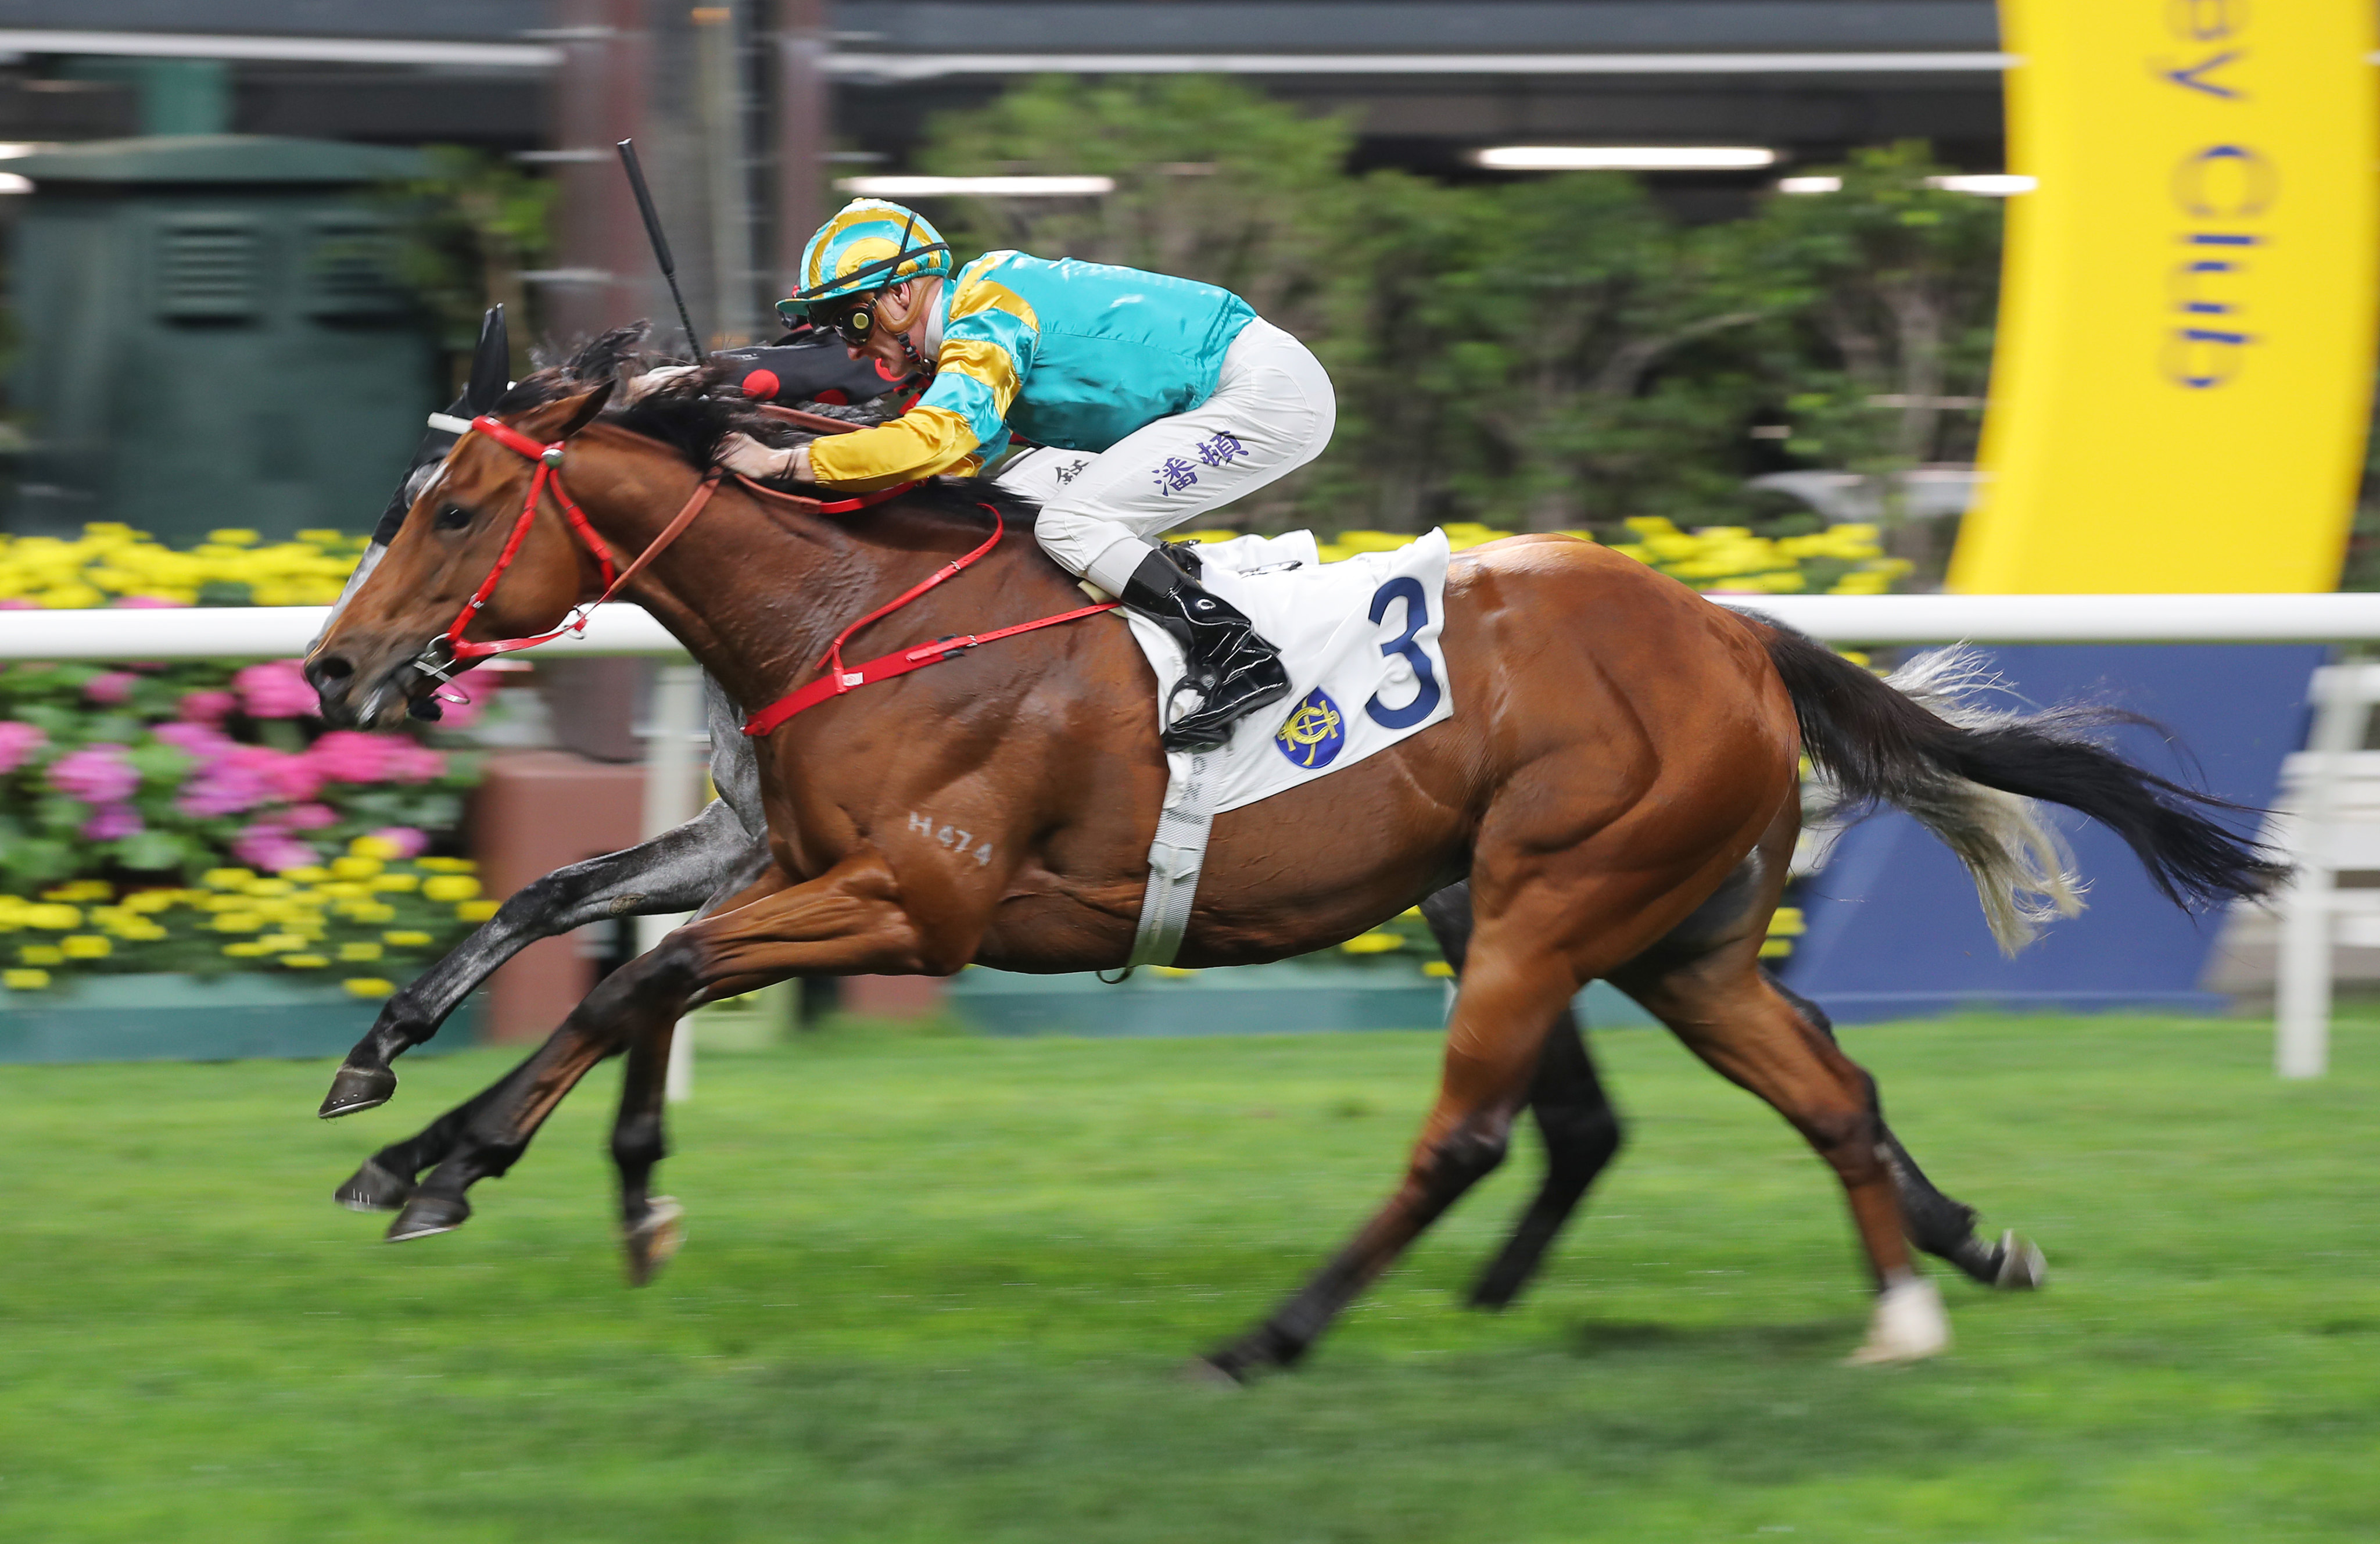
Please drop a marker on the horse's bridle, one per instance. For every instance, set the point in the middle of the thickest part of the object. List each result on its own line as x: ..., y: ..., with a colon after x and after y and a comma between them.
x: 440, y: 657
x: 451, y: 649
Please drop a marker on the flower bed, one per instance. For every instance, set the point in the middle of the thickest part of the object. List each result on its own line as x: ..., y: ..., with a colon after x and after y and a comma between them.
x: 114, y: 564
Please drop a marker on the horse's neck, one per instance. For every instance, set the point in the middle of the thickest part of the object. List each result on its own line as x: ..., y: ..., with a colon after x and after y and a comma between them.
x: 756, y: 594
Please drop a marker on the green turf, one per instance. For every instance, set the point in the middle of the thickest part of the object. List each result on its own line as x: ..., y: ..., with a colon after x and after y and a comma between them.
x: 939, y: 1289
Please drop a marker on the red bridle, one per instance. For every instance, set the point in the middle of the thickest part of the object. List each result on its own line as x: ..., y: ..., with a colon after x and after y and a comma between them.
x: 547, y: 458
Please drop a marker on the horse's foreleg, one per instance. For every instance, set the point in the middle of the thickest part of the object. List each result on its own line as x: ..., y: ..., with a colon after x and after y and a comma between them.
x: 675, y: 872
x: 1942, y: 1227
x: 649, y: 1224
x: 846, y: 922
x: 1580, y: 1131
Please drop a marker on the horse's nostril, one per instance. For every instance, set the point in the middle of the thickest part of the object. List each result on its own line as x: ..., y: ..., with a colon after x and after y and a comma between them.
x: 326, y: 671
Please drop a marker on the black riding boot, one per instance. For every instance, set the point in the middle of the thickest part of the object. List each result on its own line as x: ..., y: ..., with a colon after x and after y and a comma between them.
x: 1232, y: 670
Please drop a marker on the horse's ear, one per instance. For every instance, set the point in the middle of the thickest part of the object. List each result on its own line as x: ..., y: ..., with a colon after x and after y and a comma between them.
x: 491, y: 364
x: 561, y: 421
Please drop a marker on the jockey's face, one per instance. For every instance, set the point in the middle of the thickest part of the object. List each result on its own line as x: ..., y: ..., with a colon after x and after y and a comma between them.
x: 901, y: 312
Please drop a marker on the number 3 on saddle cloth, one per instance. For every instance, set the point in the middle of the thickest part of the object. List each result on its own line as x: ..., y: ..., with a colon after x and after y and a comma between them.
x: 1360, y: 640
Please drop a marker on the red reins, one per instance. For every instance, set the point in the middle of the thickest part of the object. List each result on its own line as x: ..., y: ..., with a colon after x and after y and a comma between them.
x: 461, y: 650
x: 839, y: 678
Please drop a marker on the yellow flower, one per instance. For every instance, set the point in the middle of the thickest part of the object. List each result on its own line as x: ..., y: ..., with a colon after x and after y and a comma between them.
x: 86, y: 946
x: 272, y: 942
x: 41, y: 954
x: 247, y: 949
x: 1438, y: 968
x: 305, y: 962
x: 227, y: 879
x: 406, y: 938
x: 1373, y: 944
x: 150, y: 900
x: 367, y: 911
x: 1786, y: 923
x: 306, y: 874
x: 237, y: 922
x: 476, y: 911
x: 396, y: 881
x: 369, y: 986
x: 379, y: 848
x: 450, y: 887
x: 232, y: 538
x: 80, y: 890
x: 448, y: 865
x: 359, y: 951
x: 53, y: 917
x: 356, y: 867
x: 24, y: 981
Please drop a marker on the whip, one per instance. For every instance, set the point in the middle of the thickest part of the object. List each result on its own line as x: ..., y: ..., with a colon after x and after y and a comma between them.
x: 659, y: 241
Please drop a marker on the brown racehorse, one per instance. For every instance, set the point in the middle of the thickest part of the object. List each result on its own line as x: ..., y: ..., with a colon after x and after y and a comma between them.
x: 1619, y: 784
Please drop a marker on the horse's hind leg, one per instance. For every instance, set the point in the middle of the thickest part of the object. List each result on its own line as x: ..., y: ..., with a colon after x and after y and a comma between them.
x: 1727, y: 1012
x: 1942, y: 1227
x: 1581, y: 1132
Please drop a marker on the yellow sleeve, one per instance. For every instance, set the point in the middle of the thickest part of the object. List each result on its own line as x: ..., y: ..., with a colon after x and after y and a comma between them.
x: 921, y: 442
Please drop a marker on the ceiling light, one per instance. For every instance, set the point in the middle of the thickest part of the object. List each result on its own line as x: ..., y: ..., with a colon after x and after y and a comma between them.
x: 977, y: 187
x: 1991, y: 184
x: 1626, y: 158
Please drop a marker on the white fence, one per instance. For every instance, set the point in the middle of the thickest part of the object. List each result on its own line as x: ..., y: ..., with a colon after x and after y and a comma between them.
x: 2344, y: 698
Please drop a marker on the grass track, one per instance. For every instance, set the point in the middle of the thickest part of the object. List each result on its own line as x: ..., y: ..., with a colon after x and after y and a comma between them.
x: 938, y: 1290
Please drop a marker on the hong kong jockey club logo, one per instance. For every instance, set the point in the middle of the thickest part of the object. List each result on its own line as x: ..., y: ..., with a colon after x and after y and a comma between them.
x: 1313, y: 733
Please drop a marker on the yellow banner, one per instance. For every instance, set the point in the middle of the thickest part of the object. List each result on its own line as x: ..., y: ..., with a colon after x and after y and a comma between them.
x: 2184, y: 362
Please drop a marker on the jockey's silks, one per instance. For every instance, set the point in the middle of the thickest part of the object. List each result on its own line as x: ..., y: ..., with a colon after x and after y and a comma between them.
x: 1075, y: 355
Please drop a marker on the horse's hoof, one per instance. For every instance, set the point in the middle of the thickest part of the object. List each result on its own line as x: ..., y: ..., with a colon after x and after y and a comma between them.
x: 654, y: 1238
x: 1209, y: 1372
x: 2023, y: 1268
x: 353, y: 1087
x: 425, y: 1215
x: 374, y: 1188
x: 1908, y: 1326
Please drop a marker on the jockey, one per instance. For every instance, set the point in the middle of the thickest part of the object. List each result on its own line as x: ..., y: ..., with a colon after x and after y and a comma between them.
x: 1149, y: 401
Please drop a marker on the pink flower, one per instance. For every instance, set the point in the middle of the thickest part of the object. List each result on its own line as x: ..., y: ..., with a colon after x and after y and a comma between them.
x: 207, y: 707
x: 17, y: 742
x: 352, y: 756
x: 407, y: 842
x: 268, y: 847
x: 310, y: 817
x: 408, y: 762
x: 95, y: 774
x: 18, y: 602
x: 112, y: 821
x: 112, y: 687
x: 144, y: 602
x: 244, y: 776
x: 275, y: 690
x: 202, y: 741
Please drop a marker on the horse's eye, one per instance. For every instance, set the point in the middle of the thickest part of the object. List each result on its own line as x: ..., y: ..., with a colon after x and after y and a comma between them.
x: 453, y: 518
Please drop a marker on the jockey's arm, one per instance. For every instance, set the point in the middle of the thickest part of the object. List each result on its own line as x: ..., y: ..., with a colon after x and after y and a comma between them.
x: 958, y: 425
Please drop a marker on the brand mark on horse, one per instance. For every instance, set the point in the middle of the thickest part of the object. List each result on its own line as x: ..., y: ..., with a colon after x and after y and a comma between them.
x: 1312, y: 734
x: 950, y: 838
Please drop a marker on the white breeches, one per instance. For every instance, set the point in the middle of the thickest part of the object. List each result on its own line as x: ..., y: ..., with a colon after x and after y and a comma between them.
x: 1271, y: 413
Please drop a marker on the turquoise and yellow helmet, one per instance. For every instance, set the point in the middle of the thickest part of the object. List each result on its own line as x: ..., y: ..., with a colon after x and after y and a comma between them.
x: 868, y: 245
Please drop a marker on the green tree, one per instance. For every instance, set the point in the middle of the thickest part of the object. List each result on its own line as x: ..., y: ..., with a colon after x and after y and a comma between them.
x: 472, y: 226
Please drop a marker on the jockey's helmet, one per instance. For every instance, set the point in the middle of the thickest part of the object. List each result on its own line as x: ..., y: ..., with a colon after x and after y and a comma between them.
x: 868, y: 245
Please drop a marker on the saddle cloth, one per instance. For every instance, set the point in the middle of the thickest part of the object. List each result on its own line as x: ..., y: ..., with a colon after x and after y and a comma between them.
x: 1360, y: 640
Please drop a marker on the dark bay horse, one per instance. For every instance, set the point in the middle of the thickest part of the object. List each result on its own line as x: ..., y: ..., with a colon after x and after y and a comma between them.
x: 1619, y: 787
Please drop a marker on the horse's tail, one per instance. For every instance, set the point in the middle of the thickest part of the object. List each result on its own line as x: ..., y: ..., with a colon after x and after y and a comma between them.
x: 1970, y: 774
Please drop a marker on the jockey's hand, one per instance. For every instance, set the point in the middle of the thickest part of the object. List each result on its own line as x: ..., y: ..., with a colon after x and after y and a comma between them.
x: 644, y: 386
x: 741, y: 452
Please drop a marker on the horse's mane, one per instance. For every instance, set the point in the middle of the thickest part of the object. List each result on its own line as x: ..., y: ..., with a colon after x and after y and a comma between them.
x: 692, y: 413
